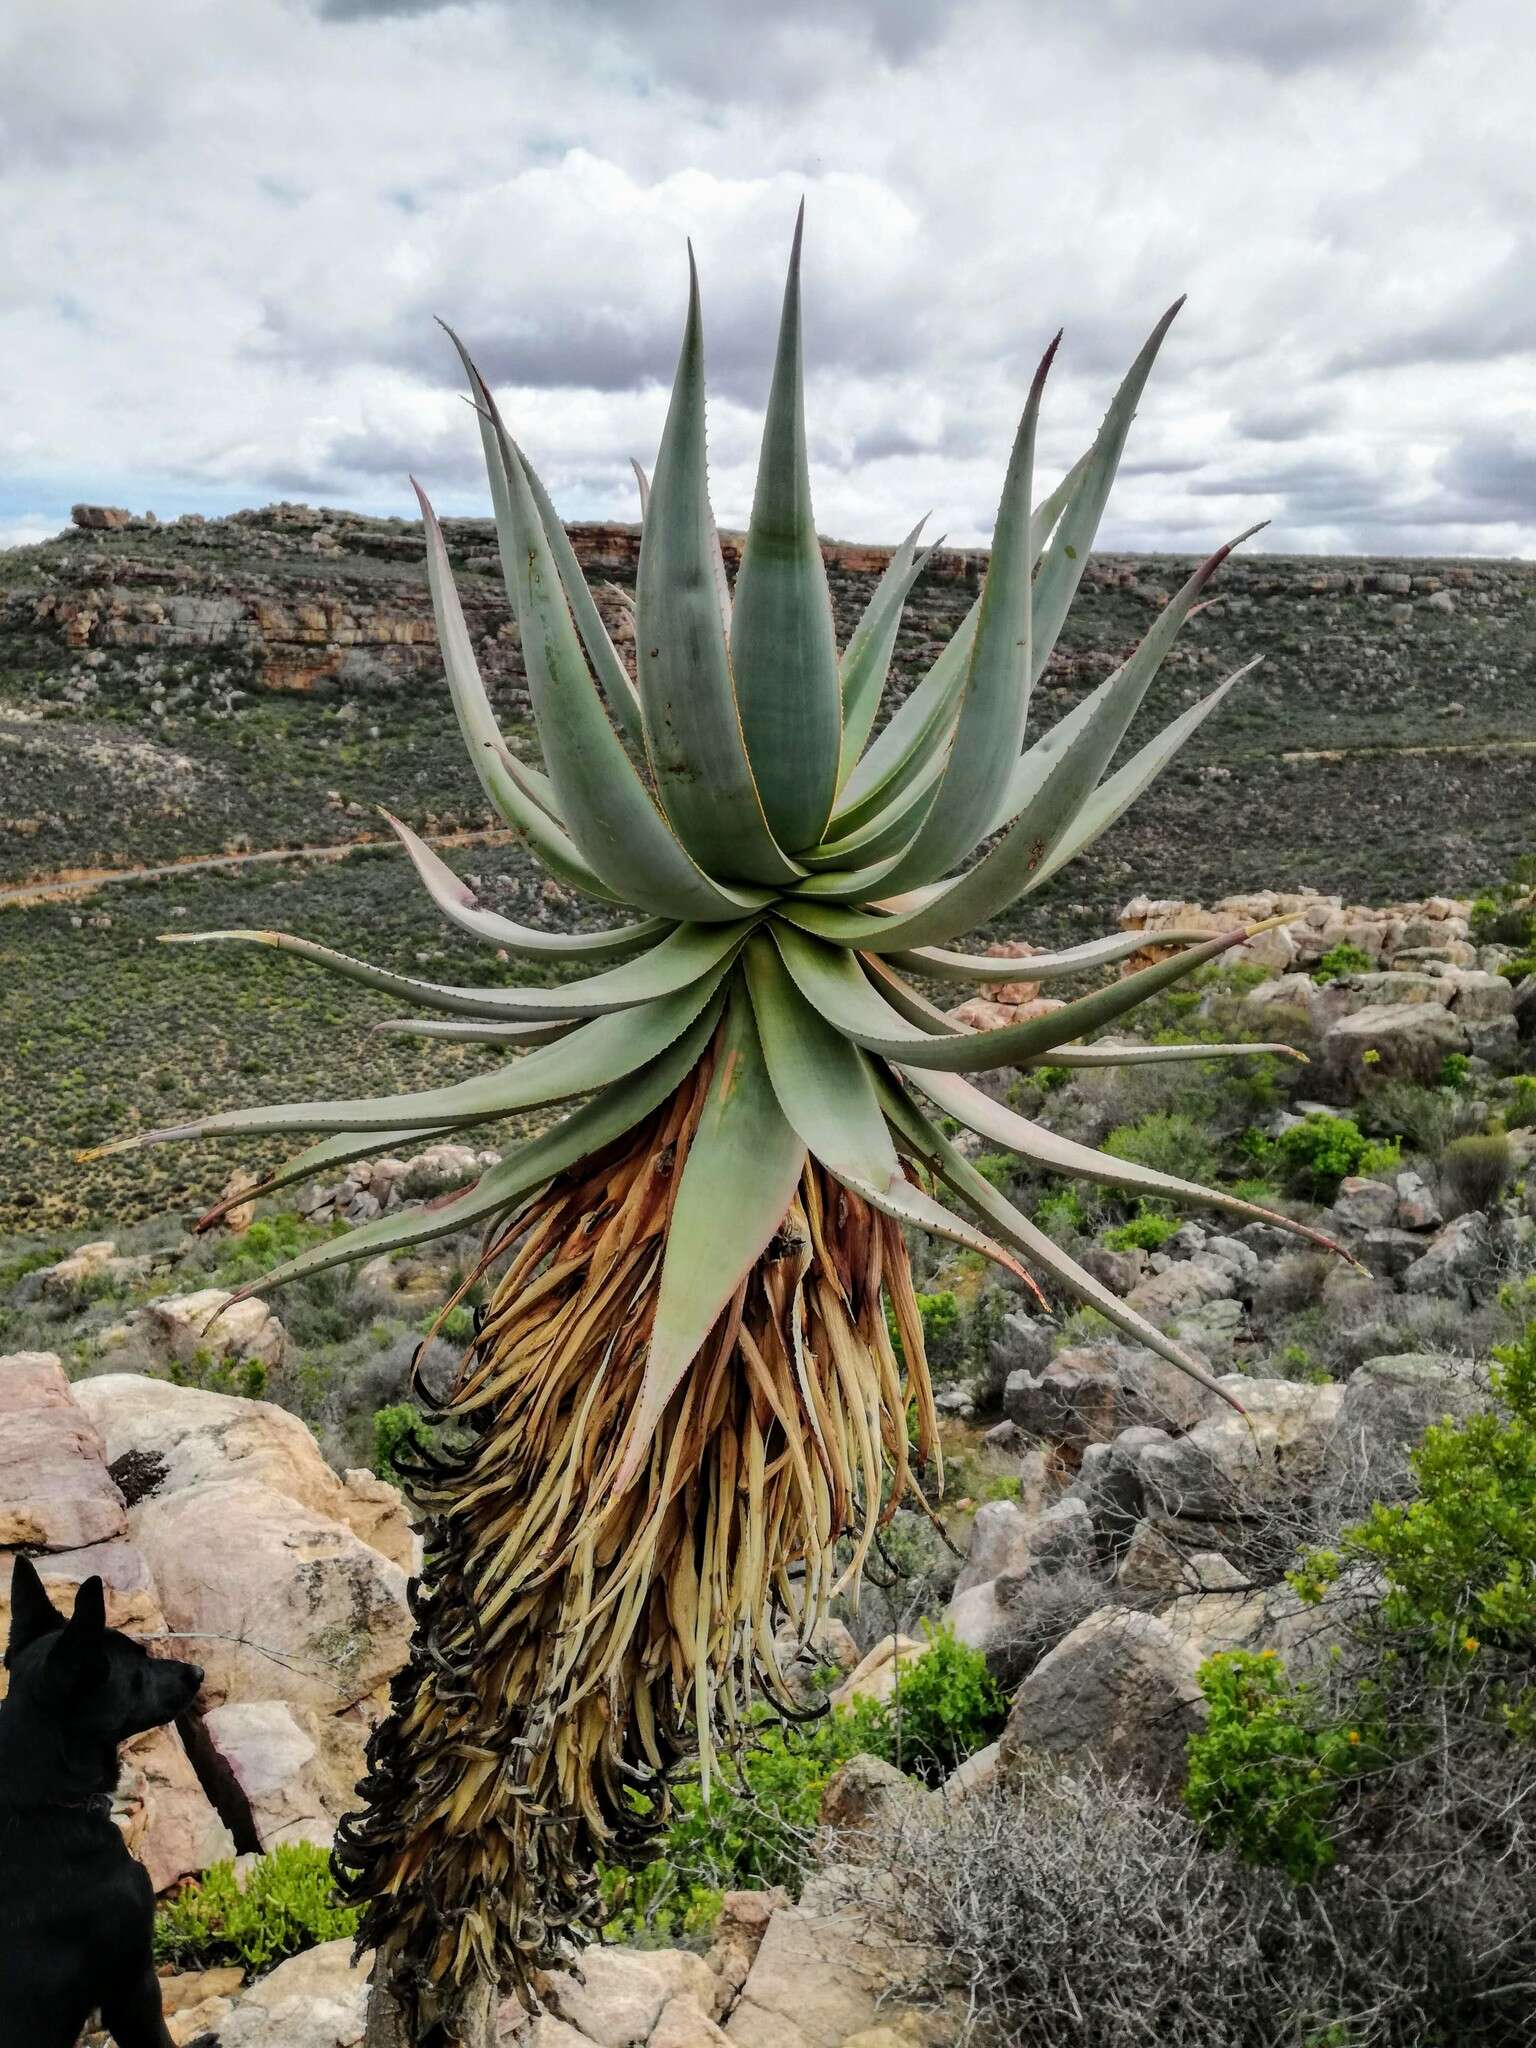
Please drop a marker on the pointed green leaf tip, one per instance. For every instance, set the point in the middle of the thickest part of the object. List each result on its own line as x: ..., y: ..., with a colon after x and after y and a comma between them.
x: 783, y: 647
x: 692, y: 726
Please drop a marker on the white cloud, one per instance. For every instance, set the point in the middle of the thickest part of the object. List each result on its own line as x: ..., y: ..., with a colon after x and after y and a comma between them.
x: 228, y: 231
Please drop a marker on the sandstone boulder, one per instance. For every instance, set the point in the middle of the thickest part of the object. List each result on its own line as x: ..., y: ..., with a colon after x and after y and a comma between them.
x: 55, y: 1491
x: 212, y: 1321
x: 278, y: 1764
x: 313, y: 1613
x: 163, y: 1439
x: 315, y: 2000
x: 1232, y: 1464
x: 1457, y: 1256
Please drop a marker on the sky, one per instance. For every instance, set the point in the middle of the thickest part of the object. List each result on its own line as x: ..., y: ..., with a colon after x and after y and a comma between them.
x: 227, y: 232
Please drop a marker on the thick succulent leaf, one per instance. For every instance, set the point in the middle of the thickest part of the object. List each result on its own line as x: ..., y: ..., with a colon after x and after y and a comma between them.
x: 1051, y: 781
x: 866, y: 660
x: 825, y: 1087
x: 920, y: 724
x: 1063, y: 771
x: 1118, y: 1054
x: 990, y: 728
x: 600, y: 1052
x: 476, y: 1030
x: 908, y: 1002
x: 930, y: 1145
x: 832, y: 982
x: 692, y: 723
x: 738, y: 1180
x: 783, y: 646
x: 482, y: 736
x: 643, y: 483
x: 918, y: 731
x: 1067, y: 556
x: 585, y: 1131
x: 456, y: 900
x: 533, y: 782
x: 1114, y: 797
x: 689, y: 952
x: 607, y: 807
x: 989, y: 967
x: 1000, y: 1125
x: 883, y: 832
x: 601, y: 652
x: 1058, y: 776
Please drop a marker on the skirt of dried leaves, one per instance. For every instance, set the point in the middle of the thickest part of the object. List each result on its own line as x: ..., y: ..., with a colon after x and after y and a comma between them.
x: 574, y: 1646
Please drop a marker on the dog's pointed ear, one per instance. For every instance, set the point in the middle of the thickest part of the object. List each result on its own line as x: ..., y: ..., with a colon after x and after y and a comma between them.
x: 79, y: 1657
x: 33, y: 1614
x: 90, y: 1615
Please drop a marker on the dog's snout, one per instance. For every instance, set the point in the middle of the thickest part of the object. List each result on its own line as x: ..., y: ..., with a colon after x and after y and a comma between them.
x: 195, y: 1673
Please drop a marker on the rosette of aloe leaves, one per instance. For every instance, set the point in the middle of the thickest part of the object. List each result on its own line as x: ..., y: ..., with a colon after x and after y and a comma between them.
x: 683, y: 1399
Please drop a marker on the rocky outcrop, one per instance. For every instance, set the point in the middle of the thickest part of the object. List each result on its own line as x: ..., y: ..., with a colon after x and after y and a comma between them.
x: 219, y: 1530
x: 162, y: 1439
x: 58, y: 1499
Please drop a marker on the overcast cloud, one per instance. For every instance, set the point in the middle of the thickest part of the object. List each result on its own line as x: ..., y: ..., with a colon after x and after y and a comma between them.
x: 227, y: 230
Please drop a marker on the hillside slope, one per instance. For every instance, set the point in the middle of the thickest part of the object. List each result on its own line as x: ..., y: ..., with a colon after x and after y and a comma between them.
x: 171, y: 695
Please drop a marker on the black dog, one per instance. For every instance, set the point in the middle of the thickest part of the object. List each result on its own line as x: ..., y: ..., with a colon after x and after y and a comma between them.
x: 76, y: 1910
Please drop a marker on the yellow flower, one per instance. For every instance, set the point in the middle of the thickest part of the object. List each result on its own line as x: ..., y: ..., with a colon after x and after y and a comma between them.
x: 1354, y: 1734
x: 1471, y: 1645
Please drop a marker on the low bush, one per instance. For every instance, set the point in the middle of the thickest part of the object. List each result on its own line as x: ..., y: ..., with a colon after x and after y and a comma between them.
x: 1069, y: 1909
x: 1147, y: 1232
x: 1265, y: 1774
x: 1474, y: 1172
x: 284, y: 1904
x: 1339, y: 961
x: 398, y: 1429
x: 1169, y: 1141
x: 1320, y: 1151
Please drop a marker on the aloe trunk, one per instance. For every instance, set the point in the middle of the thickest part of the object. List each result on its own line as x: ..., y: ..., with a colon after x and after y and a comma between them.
x: 684, y: 1395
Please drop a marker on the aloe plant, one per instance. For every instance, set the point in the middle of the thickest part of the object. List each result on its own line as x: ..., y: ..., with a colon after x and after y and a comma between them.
x: 683, y: 1393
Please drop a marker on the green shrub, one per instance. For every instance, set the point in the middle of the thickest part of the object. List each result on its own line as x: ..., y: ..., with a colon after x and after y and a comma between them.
x: 943, y: 1330
x: 1475, y: 1171
x: 1146, y: 1232
x: 1517, y: 969
x: 455, y: 1325
x: 1454, y: 1071
x: 1170, y: 1142
x: 756, y: 1827
x: 754, y: 1830
x: 1320, y: 1151
x: 1060, y: 1212
x: 1339, y: 961
x: 1459, y: 1561
x: 945, y: 1707
x: 271, y: 1241
x: 1266, y: 1771
x: 286, y: 1904
x: 1520, y: 1110
x: 397, y: 1428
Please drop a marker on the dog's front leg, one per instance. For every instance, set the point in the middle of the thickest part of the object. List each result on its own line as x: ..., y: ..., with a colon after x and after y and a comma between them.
x: 133, y: 2017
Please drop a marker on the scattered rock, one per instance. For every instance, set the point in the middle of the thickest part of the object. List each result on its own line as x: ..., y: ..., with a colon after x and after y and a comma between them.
x: 1120, y: 1689
x: 212, y: 1321
x: 1457, y: 1256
